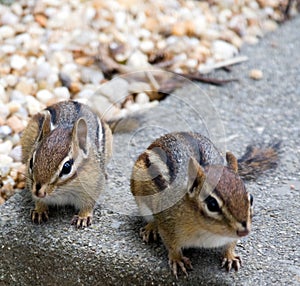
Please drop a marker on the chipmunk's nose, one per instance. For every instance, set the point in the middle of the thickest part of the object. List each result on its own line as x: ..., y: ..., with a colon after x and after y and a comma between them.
x: 39, y: 192
x: 244, y: 231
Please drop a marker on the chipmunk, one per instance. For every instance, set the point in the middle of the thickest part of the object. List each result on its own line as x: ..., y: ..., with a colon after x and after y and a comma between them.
x: 66, y: 148
x: 190, y: 199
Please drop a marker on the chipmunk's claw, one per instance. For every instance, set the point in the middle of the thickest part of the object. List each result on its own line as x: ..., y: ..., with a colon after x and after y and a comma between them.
x: 81, y: 222
x: 148, y: 231
x: 232, y: 263
x: 39, y: 216
x: 183, y: 262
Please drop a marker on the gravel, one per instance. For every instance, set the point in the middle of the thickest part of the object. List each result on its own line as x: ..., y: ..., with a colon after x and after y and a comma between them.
x: 51, y: 51
x: 111, y: 253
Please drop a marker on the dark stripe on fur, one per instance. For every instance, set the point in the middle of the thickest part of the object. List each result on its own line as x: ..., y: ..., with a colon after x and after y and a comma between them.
x: 154, y: 172
x: 103, y: 136
x: 77, y: 106
x: 53, y: 114
x: 145, y: 158
x: 167, y: 157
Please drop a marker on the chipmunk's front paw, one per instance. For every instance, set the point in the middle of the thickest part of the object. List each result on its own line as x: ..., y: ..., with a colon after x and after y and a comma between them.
x: 81, y: 222
x: 150, y: 230
x: 182, y: 262
x: 232, y: 261
x: 39, y: 216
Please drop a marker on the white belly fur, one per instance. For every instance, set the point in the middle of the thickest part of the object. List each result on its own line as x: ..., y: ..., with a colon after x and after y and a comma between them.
x: 207, y: 240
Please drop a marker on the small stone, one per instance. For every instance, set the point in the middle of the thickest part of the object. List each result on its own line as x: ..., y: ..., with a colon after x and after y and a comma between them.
x: 6, y: 32
x: 142, y: 98
x: 44, y: 95
x: 138, y: 60
x: 256, y: 74
x: 33, y: 105
x: 89, y: 75
x: 62, y: 93
x: 43, y: 70
x: 5, y: 147
x: 5, y: 165
x: 115, y: 90
x: 4, y: 131
x: 11, y: 80
x: 223, y: 50
x: 147, y: 46
x: 18, y: 62
x: 41, y: 19
x: 15, y: 124
x: 4, y: 111
x: 191, y: 63
x: 3, y: 95
x: 25, y: 87
x: 13, y: 106
x: 16, y: 153
x: 75, y: 87
x: 101, y: 105
x: 292, y: 187
x: 9, y: 18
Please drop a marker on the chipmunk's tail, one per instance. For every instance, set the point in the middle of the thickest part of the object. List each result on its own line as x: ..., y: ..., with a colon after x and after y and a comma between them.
x: 258, y: 159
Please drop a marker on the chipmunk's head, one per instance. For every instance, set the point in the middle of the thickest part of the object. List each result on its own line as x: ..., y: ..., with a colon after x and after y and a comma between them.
x: 57, y: 157
x: 221, y: 198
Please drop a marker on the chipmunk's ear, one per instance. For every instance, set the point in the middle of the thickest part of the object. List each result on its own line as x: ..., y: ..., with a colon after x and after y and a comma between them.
x: 232, y: 162
x: 79, y: 135
x: 196, y: 177
x: 44, y: 121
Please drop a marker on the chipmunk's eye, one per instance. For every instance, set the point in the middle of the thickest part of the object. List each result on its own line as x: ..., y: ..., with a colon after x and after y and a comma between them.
x: 67, y: 167
x: 212, y: 204
x: 251, y: 199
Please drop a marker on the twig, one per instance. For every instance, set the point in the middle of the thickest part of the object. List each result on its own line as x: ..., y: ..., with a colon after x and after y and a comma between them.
x: 203, y: 79
x: 229, y: 62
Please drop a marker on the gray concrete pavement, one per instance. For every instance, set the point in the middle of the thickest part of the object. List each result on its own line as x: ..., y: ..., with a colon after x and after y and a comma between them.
x: 111, y: 253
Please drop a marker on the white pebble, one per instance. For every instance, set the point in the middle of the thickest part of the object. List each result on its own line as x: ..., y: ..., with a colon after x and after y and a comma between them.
x: 138, y: 60
x: 223, y: 50
x: 5, y: 147
x: 11, y: 80
x: 191, y: 63
x: 43, y: 70
x: 4, y: 131
x: 6, y: 32
x: 103, y: 107
x: 16, y: 153
x: 4, y: 111
x: 9, y: 18
x: 115, y: 90
x: 89, y: 75
x: 33, y: 105
x: 8, y: 49
x: 3, y: 95
x: 62, y: 93
x: 142, y: 98
x: 18, y: 62
x: 146, y: 46
x: 5, y: 165
x: 44, y: 95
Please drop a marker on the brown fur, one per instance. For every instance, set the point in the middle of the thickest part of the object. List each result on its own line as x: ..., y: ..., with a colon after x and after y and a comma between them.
x: 191, y: 168
x: 66, y: 132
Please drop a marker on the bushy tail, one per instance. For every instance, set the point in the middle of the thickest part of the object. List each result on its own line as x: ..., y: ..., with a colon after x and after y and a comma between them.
x: 258, y: 159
